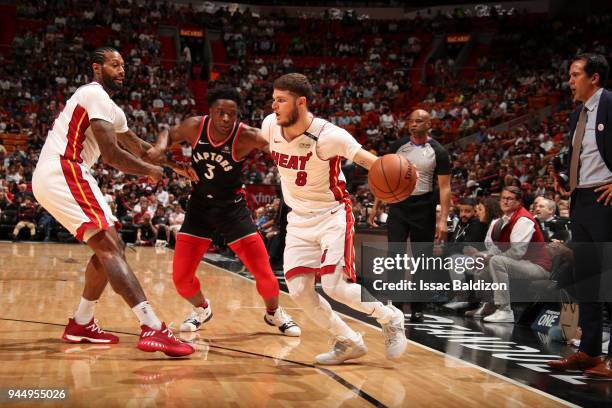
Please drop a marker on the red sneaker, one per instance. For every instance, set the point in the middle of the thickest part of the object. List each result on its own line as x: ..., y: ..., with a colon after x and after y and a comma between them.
x: 88, y: 333
x: 162, y: 340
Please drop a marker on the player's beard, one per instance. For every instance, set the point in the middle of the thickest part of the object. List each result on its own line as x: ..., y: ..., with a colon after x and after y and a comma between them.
x: 109, y: 83
x: 293, y: 117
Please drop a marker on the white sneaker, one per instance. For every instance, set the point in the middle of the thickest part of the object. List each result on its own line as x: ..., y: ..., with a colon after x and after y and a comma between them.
x: 395, y: 334
x: 500, y: 316
x: 283, y: 321
x: 197, y: 317
x: 342, y: 350
x: 456, y: 305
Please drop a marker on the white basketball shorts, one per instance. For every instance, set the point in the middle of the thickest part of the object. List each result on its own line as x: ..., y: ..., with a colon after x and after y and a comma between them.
x: 71, y: 195
x: 317, y: 243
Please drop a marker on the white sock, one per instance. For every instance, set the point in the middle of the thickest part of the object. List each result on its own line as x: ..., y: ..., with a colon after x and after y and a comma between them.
x: 317, y: 308
x: 340, y: 329
x: 382, y: 313
x: 85, y: 311
x: 147, y: 316
x: 351, y: 294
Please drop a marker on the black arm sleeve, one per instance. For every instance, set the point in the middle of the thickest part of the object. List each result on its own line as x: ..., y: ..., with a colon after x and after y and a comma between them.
x: 476, y: 232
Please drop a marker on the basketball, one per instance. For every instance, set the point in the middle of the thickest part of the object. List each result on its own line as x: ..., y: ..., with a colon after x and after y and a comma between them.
x: 392, y: 178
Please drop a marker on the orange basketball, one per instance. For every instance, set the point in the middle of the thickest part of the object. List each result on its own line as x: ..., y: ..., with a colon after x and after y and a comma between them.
x: 392, y: 178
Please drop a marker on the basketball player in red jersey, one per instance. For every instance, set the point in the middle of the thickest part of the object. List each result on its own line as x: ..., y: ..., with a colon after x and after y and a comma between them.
x: 91, y: 125
x: 220, y: 144
x: 307, y: 152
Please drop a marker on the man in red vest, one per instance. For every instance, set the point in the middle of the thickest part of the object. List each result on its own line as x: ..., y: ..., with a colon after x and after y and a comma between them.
x: 515, y: 249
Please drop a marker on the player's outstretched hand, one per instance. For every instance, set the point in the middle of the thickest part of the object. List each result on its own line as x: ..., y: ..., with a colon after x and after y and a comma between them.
x: 155, y: 174
x: 186, y: 171
x: 155, y: 155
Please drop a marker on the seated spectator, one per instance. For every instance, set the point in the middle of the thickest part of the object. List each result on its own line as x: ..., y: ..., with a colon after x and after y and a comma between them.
x: 26, y: 214
x: 161, y: 223
x: 553, y: 227
x: 46, y: 223
x: 175, y: 220
x: 515, y: 249
x: 260, y: 217
x: 4, y: 201
x: 142, y: 207
x: 23, y: 193
x: 146, y: 234
x: 122, y: 203
x: 162, y: 195
x: 469, y: 229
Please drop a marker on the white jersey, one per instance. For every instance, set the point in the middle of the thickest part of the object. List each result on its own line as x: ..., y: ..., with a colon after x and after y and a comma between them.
x: 309, y: 166
x: 71, y: 137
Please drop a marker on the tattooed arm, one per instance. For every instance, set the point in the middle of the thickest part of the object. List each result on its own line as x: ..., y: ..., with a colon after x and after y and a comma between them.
x: 364, y: 159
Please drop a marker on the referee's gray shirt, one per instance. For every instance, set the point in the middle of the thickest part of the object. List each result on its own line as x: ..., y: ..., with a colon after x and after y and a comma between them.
x: 431, y: 159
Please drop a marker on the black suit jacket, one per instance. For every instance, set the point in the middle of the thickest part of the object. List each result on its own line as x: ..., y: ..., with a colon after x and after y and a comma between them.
x: 473, y: 232
x: 602, y: 137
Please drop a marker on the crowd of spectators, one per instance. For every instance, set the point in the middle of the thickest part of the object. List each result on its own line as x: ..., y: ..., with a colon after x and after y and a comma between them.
x: 366, y: 86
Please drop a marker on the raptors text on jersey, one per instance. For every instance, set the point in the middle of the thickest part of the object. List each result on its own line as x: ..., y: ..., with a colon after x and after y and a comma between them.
x: 219, y: 172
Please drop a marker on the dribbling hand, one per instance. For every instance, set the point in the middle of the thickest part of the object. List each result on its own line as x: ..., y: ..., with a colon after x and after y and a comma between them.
x: 372, y: 220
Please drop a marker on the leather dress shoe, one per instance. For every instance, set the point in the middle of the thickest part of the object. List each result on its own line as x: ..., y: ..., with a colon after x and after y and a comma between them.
x: 417, y: 317
x: 577, y: 361
x: 603, y: 369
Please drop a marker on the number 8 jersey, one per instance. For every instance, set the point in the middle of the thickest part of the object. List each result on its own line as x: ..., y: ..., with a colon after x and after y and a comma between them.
x: 309, y: 165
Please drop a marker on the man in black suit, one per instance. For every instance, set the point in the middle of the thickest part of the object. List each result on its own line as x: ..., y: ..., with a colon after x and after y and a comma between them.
x: 590, y: 185
x: 468, y: 231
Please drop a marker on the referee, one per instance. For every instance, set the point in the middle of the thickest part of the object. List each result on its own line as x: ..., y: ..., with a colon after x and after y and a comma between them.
x: 415, y: 217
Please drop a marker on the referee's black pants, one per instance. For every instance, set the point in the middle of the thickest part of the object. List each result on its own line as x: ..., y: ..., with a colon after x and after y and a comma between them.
x: 591, y: 226
x: 413, y: 218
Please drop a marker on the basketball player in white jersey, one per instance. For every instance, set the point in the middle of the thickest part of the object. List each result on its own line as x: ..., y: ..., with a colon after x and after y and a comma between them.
x: 308, y: 151
x: 91, y: 125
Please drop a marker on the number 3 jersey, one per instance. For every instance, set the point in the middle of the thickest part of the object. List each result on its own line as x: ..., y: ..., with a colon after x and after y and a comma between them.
x: 216, y: 165
x: 309, y: 165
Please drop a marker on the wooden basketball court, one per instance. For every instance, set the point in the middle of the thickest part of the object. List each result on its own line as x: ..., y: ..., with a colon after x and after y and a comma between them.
x: 240, y: 361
